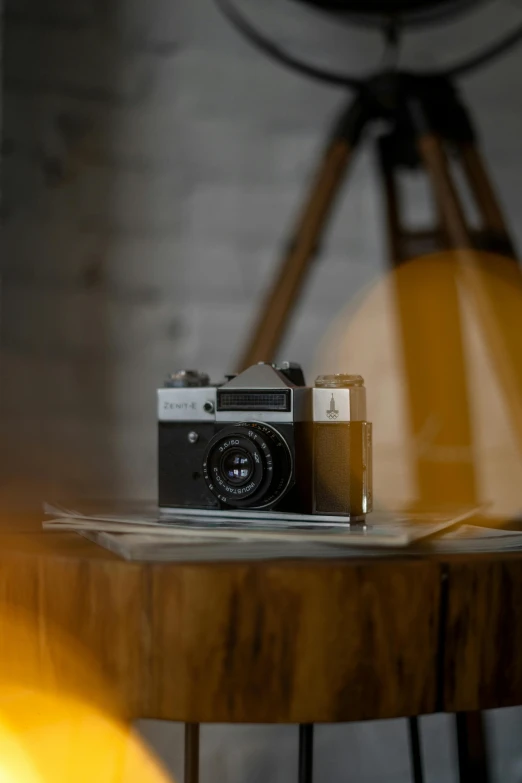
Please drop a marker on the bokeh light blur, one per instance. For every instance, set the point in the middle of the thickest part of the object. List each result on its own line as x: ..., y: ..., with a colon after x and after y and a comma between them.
x: 458, y: 412
x: 56, y: 733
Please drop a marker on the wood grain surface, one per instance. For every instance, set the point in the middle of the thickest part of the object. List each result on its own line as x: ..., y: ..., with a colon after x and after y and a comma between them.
x: 483, y: 639
x: 72, y: 623
x: 294, y: 642
x: 273, y: 641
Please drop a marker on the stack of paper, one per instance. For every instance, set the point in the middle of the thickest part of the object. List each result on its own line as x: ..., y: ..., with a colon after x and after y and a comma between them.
x: 472, y: 538
x: 145, y: 533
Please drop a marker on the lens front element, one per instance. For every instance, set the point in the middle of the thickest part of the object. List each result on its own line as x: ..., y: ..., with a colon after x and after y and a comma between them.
x: 248, y: 465
x: 237, y: 466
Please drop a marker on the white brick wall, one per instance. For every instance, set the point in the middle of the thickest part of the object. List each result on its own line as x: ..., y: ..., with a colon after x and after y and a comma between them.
x: 146, y: 203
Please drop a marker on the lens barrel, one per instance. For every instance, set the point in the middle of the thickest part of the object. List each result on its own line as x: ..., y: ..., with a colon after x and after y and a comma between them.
x: 248, y: 465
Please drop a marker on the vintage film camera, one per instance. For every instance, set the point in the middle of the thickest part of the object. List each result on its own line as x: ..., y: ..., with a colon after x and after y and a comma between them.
x: 264, y: 440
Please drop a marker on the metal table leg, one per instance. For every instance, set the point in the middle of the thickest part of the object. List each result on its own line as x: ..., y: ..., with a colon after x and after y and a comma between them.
x: 191, y: 753
x: 472, y: 748
x: 306, y: 753
x: 415, y: 750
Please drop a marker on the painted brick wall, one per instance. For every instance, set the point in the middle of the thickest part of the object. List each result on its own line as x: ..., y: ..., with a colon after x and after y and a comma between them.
x: 151, y: 165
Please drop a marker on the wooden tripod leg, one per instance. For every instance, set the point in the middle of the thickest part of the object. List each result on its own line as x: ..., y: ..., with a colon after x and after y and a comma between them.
x: 496, y: 291
x: 494, y: 287
x: 473, y: 758
x: 432, y: 153
x: 394, y: 228
x: 485, y: 197
x: 285, y: 290
x: 428, y: 319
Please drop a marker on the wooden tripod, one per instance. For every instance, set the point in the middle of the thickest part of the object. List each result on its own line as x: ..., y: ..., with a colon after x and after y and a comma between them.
x: 427, y: 123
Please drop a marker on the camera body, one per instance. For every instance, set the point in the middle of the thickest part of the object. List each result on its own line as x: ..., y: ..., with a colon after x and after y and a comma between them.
x: 264, y: 440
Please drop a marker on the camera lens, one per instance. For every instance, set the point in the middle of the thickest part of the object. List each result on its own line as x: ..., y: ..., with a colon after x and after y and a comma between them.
x: 248, y: 465
x: 237, y: 466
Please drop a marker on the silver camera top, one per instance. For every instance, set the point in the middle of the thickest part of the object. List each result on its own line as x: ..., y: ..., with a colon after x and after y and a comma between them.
x: 264, y: 392
x: 339, y: 398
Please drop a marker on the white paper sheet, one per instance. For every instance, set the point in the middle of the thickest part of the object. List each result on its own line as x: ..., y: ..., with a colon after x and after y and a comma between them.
x: 151, y: 535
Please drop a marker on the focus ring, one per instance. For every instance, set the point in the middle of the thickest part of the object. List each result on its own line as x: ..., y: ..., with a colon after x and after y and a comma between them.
x: 269, y: 455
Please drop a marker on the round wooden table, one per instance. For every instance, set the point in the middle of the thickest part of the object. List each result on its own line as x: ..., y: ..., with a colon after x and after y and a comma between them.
x: 281, y: 641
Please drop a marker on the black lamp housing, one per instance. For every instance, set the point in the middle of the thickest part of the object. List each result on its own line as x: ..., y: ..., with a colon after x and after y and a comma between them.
x: 403, y: 11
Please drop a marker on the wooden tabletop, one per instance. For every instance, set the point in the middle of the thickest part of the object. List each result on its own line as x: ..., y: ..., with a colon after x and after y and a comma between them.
x: 280, y: 641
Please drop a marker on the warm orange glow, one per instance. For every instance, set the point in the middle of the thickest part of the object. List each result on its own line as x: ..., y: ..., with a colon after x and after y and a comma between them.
x: 425, y: 413
x: 48, y: 739
x: 15, y: 764
x: 61, y: 720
